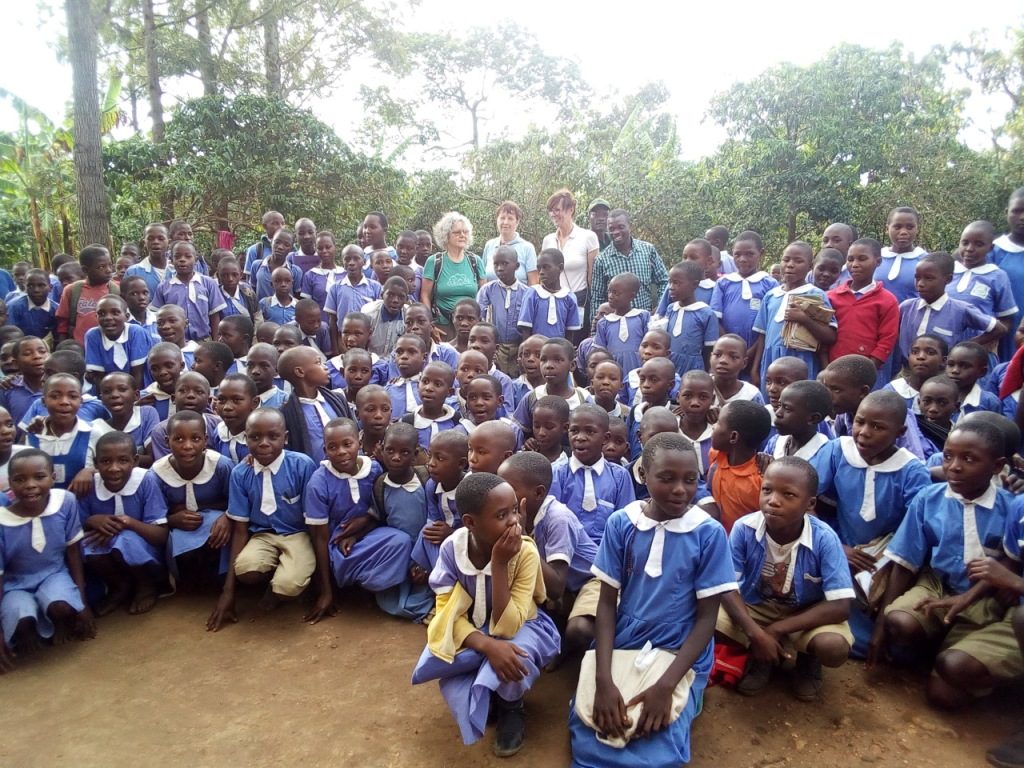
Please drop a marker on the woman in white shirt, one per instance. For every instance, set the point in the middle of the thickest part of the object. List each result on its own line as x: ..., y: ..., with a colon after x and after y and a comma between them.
x: 579, y: 247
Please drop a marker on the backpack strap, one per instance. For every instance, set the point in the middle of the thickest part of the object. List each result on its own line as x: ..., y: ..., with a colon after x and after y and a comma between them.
x: 378, y: 495
x: 73, y: 299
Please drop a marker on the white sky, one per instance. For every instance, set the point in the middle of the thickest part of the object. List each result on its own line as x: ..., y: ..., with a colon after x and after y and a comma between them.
x: 697, y: 49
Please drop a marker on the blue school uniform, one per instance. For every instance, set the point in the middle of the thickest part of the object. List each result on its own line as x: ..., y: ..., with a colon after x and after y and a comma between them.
x: 769, y: 323
x: 236, y: 304
x: 105, y: 355
x: 150, y: 273
x: 1013, y: 538
x: 550, y: 314
x: 736, y: 301
x: 950, y: 319
x: 780, y: 445
x: 34, y: 320
x: 317, y: 412
x: 232, y: 446
x: 56, y: 289
x: 344, y: 297
x: 141, y: 499
x: 264, y: 285
x: 897, y: 272
x: 336, y: 371
x: 633, y: 419
x: 427, y: 429
x: 317, y: 283
x: 140, y: 426
x: 92, y: 410
x: 871, y: 501
x: 523, y: 415
x: 911, y: 439
x: 274, y: 397
x: 438, y: 353
x: 703, y: 292
x: 440, y: 508
x: 1006, y: 255
x: 560, y: 537
x: 33, y: 565
x: 520, y: 389
x: 692, y: 329
x: 631, y: 395
x: 71, y: 452
x: 404, y: 510
x: 658, y: 599
x: 817, y: 569
x: 275, y: 312
x: 985, y: 287
x: 158, y: 437
x: 149, y: 326
x: 380, y: 559
x: 978, y: 399
x: 621, y: 335
x: 902, y: 387
x: 468, y: 681
x: 206, y: 493
x: 944, y: 531
x: 289, y: 475
x: 502, y: 305
x: 18, y: 399
x: 320, y: 341
x: 163, y: 402
x: 612, y: 489
x: 404, y: 394
x: 467, y: 426
x: 200, y: 297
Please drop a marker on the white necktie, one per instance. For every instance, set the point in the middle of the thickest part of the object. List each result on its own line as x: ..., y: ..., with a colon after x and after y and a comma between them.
x: 745, y: 293
x: 446, y: 508
x: 191, y: 290
x: 589, y: 497
x: 897, y: 262
x: 508, y: 296
x: 317, y: 403
x: 410, y: 394
x: 653, y: 566
x: 231, y: 441
x: 311, y: 342
x: 353, y: 481
x: 38, y: 535
x: 964, y: 283
x: 867, y: 506
x: 922, y: 327
x: 268, y: 502
x: 780, y: 314
x: 239, y: 305
x: 480, y: 600
x: 190, y: 496
x: 120, y: 354
x: 973, y: 549
x: 677, y: 327
x: 623, y: 329
x: 552, y: 313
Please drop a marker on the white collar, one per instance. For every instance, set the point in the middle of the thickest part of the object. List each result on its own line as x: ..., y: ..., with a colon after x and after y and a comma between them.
x: 614, y: 318
x: 598, y: 466
x: 894, y: 463
x: 460, y: 545
x: 225, y: 435
x: 707, y: 283
x: 163, y: 469
x: 154, y: 390
x: 778, y: 290
x: 364, y: 463
x: 423, y: 422
x: 693, y: 306
x: 108, y: 343
x: 575, y: 400
x: 757, y: 521
x: 981, y: 269
x: 272, y: 392
x: 973, y: 397
x: 805, y: 451
x: 888, y: 253
x: 275, y: 302
x: 938, y: 304
x: 735, y: 277
x: 134, y: 481
x: 47, y: 303
x: 190, y: 346
x: 149, y: 266
x: 1004, y: 242
x: 543, y: 511
x: 133, y: 423
x: 411, y: 485
x: 274, y: 466
x: 175, y: 280
x: 693, y: 517
x: 80, y: 426
x: 324, y: 272
x: 986, y: 500
x: 544, y: 293
x: 53, y: 506
x: 346, y: 280
x: 872, y: 286
x: 903, y: 387
x: 514, y: 287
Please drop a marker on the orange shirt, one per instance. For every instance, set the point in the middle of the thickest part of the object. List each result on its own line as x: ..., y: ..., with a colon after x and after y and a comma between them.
x: 737, y: 490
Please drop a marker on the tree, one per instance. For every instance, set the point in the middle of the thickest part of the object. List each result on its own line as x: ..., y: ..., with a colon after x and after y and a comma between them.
x: 94, y: 221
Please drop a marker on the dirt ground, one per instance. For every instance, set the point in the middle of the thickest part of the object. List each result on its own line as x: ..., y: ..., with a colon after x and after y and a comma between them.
x: 158, y: 690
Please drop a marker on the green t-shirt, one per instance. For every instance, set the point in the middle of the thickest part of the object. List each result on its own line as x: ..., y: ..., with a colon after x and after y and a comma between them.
x: 456, y: 282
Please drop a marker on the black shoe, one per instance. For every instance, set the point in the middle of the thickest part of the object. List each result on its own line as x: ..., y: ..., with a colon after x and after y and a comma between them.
x: 508, y: 735
x: 755, y: 678
x: 1009, y: 754
x: 807, y: 681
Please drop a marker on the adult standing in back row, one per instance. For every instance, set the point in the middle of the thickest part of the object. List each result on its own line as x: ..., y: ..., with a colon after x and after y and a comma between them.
x: 628, y: 254
x: 579, y: 247
x: 453, y: 274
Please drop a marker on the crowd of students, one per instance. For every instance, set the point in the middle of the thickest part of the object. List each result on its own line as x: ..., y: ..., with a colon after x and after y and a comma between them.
x: 689, y: 495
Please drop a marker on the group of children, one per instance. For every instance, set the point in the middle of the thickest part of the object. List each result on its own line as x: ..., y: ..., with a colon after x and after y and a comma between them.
x: 683, y: 498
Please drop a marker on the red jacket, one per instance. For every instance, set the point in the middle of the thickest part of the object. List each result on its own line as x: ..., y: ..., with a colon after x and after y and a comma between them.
x: 869, y: 322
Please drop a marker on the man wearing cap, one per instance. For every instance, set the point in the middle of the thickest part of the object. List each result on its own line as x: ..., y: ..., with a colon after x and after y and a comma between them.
x: 626, y: 253
x: 597, y: 211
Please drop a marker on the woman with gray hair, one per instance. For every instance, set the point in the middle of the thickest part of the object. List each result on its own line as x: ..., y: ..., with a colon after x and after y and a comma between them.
x: 454, y: 273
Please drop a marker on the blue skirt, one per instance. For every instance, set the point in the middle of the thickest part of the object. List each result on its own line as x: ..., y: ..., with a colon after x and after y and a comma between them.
x: 134, y: 549
x: 467, y: 683
x: 378, y: 561
x: 18, y: 604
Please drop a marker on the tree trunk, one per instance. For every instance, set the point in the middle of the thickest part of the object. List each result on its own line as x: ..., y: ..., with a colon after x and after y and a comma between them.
x: 94, y: 221
x: 272, y: 55
x: 156, y: 94
x: 207, y: 65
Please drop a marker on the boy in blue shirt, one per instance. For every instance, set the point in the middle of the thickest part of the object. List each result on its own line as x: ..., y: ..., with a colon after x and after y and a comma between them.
x: 501, y: 303
x: 410, y: 357
x: 549, y: 309
x: 795, y: 585
x: 930, y: 596
x: 691, y: 323
x: 311, y: 405
x: 967, y: 364
x: 34, y: 312
x: 269, y: 537
x: 198, y: 294
x: 588, y: 485
x: 115, y: 345
x: 621, y: 331
x: 737, y: 296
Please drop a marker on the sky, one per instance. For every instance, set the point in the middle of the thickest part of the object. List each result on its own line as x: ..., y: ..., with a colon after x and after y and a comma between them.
x: 696, y: 49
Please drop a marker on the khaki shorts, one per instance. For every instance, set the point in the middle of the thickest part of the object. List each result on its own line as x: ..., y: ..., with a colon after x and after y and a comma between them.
x: 290, y: 557
x: 768, y: 613
x: 983, y: 631
x: 506, y: 359
x: 586, y: 600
